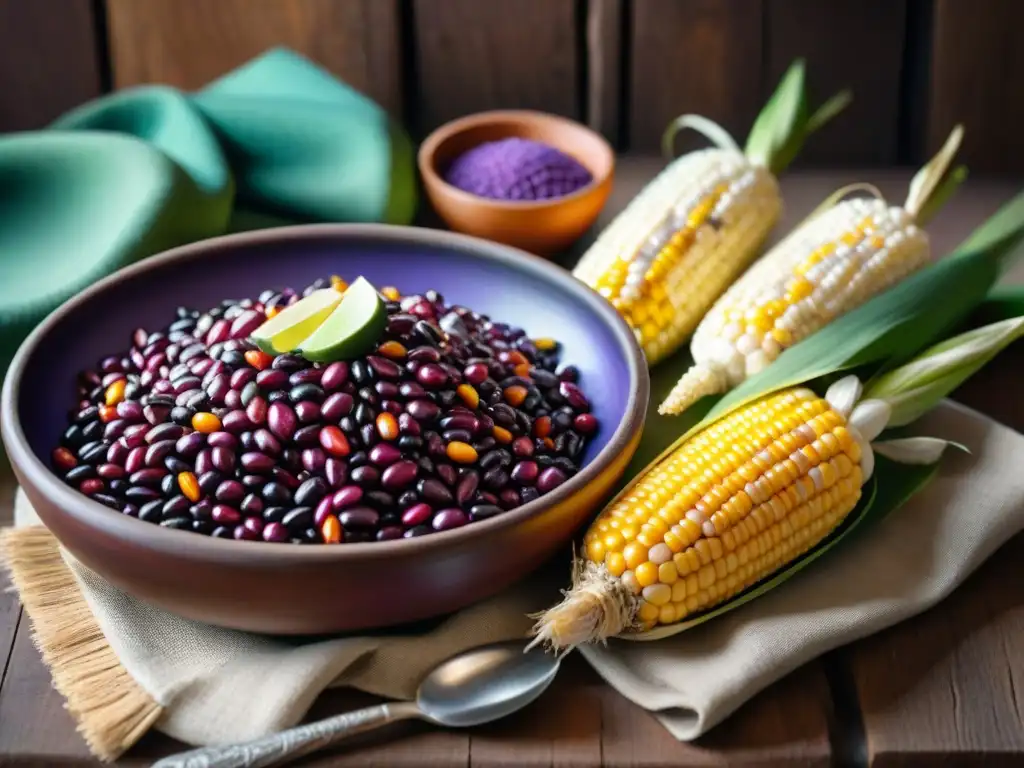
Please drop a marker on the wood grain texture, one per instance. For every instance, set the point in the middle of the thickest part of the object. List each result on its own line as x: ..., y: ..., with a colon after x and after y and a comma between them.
x: 856, y: 44
x: 976, y: 64
x: 188, y: 43
x: 700, y: 56
x: 515, y: 54
x: 604, y: 67
x: 48, y: 60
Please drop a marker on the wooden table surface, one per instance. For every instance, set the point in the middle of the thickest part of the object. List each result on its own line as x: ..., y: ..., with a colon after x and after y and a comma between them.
x: 939, y: 688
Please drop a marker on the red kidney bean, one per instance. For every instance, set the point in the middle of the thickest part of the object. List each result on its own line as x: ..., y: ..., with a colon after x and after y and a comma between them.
x: 116, y: 454
x: 134, y: 435
x: 229, y: 492
x: 525, y: 472
x: 407, y: 425
x: 266, y: 442
x: 467, y: 487
x: 417, y: 514
x: 384, y: 454
x: 236, y: 422
x: 246, y: 323
x: 549, y: 479
x: 251, y: 505
x: 281, y: 420
x: 334, y: 441
x: 218, y: 332
x: 130, y: 410
x: 271, y: 378
x: 313, y: 459
x: 509, y: 498
x: 204, y: 461
x: 399, y: 475
x: 110, y: 471
x: 257, y: 462
x: 322, y: 512
x: 449, y: 518
x: 359, y: 517
x: 447, y: 473
x: 336, y: 407
x: 335, y: 470
x: 241, y: 377
x: 334, y: 376
x: 189, y: 445
x: 307, y: 411
x: 365, y: 476
x: 223, y: 460
x: 148, y: 477
x: 135, y: 460
x: 157, y: 452
x: 432, y: 376
x: 233, y: 399
x: 275, y: 532
x: 256, y: 411
x: 348, y: 496
x: 422, y: 410
x: 585, y: 423
x: 383, y: 367
x: 225, y: 515
x: 523, y: 447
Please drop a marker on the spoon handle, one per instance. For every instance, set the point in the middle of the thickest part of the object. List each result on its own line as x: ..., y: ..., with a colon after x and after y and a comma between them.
x: 293, y: 743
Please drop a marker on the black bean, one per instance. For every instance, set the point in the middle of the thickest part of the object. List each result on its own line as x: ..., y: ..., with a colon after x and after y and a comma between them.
x: 495, y: 479
x: 408, y: 498
x: 298, y: 518
x: 209, y: 481
x: 274, y: 514
x: 302, y: 392
x: 434, y: 491
x: 233, y: 358
x: 93, y: 430
x: 310, y: 492
x: 359, y: 517
x: 81, y: 472
x: 87, y: 414
x: 276, y: 494
x: 364, y: 476
x: 364, y: 414
x: 106, y: 500
x: 565, y: 464
x: 360, y: 372
x: 458, y: 435
x: 428, y: 332
x: 381, y: 500
x: 410, y: 443
x: 140, y: 494
x: 152, y: 511
x: 94, y: 452
x: 175, y: 506
x: 496, y: 458
x: 484, y: 511
x: 419, y: 530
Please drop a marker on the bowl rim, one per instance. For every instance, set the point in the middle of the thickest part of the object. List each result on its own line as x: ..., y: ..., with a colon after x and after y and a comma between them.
x: 425, y: 157
x: 82, y: 509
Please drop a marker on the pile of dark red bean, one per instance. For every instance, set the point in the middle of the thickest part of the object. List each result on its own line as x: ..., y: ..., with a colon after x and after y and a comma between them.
x: 453, y: 419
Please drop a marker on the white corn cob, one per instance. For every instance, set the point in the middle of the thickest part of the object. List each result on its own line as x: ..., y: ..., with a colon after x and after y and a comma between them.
x: 832, y: 263
x: 665, y: 259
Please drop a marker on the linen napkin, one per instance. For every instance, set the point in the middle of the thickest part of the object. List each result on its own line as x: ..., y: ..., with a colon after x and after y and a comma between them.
x: 205, y: 685
x: 278, y: 140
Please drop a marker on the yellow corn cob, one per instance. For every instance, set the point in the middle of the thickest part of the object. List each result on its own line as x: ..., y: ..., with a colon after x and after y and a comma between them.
x: 664, y: 260
x: 728, y: 507
x: 831, y: 264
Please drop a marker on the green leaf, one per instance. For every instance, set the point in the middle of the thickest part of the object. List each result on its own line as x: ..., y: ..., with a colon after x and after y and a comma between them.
x: 916, y: 387
x: 889, y: 488
x: 785, y: 122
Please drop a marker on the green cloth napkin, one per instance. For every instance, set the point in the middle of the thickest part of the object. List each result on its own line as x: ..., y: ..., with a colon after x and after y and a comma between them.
x: 278, y: 140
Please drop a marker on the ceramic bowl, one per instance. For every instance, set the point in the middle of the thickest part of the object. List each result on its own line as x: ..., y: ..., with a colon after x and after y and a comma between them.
x: 543, y: 227
x: 286, y: 589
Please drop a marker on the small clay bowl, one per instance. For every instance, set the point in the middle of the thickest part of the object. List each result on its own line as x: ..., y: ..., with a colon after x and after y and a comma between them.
x: 543, y: 227
x: 287, y: 589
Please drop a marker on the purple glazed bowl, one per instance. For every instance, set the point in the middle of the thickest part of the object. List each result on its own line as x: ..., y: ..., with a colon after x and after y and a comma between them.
x: 283, y: 589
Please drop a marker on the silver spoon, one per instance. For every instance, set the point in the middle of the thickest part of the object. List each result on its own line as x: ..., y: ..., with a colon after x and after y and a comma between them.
x: 471, y: 688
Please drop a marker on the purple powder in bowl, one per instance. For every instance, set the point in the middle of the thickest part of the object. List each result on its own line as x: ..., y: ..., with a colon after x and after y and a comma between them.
x: 517, y: 169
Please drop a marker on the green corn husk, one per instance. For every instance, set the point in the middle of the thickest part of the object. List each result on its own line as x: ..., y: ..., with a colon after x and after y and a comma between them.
x: 881, y: 343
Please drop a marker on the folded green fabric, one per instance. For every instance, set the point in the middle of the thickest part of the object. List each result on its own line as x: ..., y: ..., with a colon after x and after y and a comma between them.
x: 278, y: 140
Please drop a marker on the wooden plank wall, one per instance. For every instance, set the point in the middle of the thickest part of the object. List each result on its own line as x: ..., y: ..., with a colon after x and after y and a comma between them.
x: 627, y: 67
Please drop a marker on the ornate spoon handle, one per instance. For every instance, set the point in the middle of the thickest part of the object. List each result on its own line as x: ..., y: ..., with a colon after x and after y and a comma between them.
x: 293, y: 743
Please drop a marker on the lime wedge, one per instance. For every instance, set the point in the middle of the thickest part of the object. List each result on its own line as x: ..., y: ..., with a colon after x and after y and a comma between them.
x: 352, y: 329
x: 286, y: 330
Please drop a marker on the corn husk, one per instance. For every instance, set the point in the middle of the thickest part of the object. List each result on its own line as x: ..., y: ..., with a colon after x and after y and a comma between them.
x: 880, y: 343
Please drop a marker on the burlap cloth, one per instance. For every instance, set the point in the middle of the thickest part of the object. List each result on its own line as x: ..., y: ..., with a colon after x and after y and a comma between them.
x: 205, y: 685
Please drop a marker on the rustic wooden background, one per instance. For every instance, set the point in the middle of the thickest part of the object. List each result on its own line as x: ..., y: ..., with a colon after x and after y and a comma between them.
x: 624, y: 66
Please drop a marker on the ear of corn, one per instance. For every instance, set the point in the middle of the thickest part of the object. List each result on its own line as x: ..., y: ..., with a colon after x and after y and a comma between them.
x: 832, y: 263
x: 672, y: 251
x: 727, y: 508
